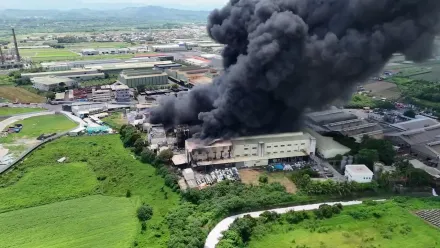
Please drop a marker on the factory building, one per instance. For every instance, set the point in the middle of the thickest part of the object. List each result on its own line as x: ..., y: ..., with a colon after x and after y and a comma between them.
x: 108, y: 51
x: 250, y: 151
x: 86, y: 108
x: 423, y: 142
x: 116, y: 68
x: 193, y: 75
x: 54, y: 66
x: 343, y: 122
x: 51, y: 83
x: 101, y: 95
x: 168, y: 48
x: 79, y: 75
x: 122, y: 93
x: 133, y: 78
x: 326, y: 147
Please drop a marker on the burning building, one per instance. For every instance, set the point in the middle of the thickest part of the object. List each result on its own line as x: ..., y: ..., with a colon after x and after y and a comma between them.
x: 250, y: 151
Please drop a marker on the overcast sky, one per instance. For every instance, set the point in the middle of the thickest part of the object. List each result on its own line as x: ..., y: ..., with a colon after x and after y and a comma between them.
x: 110, y: 4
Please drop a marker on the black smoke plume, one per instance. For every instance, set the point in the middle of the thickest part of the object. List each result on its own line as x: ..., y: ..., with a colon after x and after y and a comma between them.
x: 282, y: 57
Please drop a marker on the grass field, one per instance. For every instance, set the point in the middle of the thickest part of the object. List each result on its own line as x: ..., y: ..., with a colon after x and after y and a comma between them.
x: 47, y: 53
x: 397, y: 227
x: 69, y: 58
x: 47, y: 184
x: 117, y: 170
x: 14, y: 111
x: 383, y: 89
x: 251, y: 176
x: 96, y: 82
x: 115, y: 120
x: 13, y: 94
x: 93, y: 221
x: 45, y: 124
x: 6, y: 80
x: 84, y: 45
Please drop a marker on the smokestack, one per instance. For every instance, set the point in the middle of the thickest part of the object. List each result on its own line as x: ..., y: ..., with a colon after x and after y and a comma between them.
x: 2, y: 58
x: 282, y: 57
x: 17, y: 53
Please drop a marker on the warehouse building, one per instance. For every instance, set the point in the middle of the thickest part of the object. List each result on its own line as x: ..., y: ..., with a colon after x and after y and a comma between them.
x: 116, y: 68
x: 326, y: 147
x: 89, y: 52
x: 78, y: 75
x: 423, y: 142
x: 86, y: 108
x: 250, y: 151
x: 51, y: 83
x: 134, y: 78
x: 358, y: 173
x: 343, y: 122
x: 193, y: 74
x: 168, y: 48
x: 122, y: 93
x: 101, y: 95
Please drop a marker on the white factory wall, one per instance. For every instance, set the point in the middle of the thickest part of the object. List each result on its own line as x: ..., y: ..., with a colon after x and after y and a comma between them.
x: 359, y: 177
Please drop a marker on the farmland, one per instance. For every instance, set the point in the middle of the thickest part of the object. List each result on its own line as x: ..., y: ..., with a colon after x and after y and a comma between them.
x: 390, y: 224
x: 115, y: 171
x: 13, y: 94
x: 14, y: 111
x: 94, y: 221
x: 45, y: 124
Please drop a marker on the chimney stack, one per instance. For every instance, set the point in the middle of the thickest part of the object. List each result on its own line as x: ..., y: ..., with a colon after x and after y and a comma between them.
x: 2, y: 59
x: 17, y: 53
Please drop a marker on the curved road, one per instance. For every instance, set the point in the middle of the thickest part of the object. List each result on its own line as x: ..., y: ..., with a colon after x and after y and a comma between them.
x: 216, y: 233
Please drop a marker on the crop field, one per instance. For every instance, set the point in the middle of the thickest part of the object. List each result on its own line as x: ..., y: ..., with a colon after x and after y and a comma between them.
x: 38, y: 125
x: 115, y: 171
x: 47, y: 184
x: 85, y: 45
x: 93, y: 221
x: 14, y: 111
x: 383, y: 89
x: 391, y: 224
x: 18, y: 94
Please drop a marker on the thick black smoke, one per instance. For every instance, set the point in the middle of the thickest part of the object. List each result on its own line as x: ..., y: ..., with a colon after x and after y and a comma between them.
x: 285, y: 56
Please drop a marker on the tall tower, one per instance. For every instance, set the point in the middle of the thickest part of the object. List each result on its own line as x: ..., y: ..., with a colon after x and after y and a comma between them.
x: 17, y: 53
x: 2, y: 58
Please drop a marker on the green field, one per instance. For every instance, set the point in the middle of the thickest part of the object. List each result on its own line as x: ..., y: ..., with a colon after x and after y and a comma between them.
x: 103, y: 81
x: 47, y: 184
x: 85, y: 45
x: 395, y: 227
x: 46, y: 53
x: 14, y: 111
x: 115, y: 120
x: 45, y: 124
x: 19, y: 94
x: 115, y: 171
x: 94, y: 221
x: 6, y: 80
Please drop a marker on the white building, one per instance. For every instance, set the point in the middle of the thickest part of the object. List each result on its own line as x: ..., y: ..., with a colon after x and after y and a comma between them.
x: 250, y: 151
x: 51, y: 83
x: 168, y: 48
x: 122, y: 93
x: 101, y: 95
x: 358, y: 173
x: 86, y: 108
x: 326, y: 147
x: 88, y: 52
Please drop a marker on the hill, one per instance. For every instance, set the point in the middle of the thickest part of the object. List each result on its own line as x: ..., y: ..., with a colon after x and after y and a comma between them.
x: 145, y: 13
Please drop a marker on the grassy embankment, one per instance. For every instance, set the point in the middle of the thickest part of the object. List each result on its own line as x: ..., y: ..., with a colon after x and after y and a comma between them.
x: 391, y: 224
x: 19, y: 94
x: 108, y: 169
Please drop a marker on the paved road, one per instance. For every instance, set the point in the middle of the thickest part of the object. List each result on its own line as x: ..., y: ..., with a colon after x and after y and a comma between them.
x: 216, y: 233
x: 324, y: 164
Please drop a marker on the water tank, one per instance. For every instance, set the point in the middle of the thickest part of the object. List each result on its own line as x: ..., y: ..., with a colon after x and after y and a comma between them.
x: 343, y: 164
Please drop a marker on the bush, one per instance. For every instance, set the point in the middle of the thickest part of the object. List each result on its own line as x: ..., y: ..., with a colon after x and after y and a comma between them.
x: 128, y: 194
x: 144, y: 212
x: 263, y: 179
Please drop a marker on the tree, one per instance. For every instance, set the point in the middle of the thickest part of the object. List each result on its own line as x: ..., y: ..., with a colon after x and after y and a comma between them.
x: 367, y: 157
x: 138, y: 146
x: 144, y: 212
x: 383, y: 147
x: 174, y: 86
x: 50, y: 95
x: 410, y: 113
x: 165, y: 156
x: 147, y: 156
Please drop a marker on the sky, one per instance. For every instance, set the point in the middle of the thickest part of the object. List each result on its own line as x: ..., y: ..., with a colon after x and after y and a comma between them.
x: 110, y: 4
